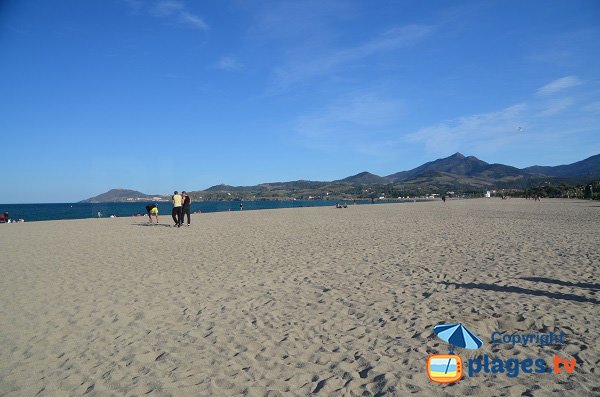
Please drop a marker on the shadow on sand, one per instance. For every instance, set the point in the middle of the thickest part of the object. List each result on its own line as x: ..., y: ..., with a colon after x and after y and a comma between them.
x: 519, y: 290
x: 593, y: 286
x: 151, y: 224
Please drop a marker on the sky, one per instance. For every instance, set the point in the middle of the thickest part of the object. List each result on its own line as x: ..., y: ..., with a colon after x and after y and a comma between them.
x: 164, y: 95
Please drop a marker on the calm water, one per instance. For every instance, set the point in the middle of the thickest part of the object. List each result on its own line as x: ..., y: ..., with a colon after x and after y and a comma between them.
x: 46, y: 212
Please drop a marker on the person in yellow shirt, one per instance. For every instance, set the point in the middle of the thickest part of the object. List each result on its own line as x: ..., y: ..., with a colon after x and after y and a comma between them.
x: 152, y: 209
x: 177, y: 212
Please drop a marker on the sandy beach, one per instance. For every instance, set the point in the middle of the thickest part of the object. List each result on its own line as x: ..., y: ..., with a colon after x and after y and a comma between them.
x: 298, y: 302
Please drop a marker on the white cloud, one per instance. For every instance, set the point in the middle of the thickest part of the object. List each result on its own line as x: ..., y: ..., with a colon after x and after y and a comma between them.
x: 393, y: 39
x: 351, y: 123
x: 556, y: 106
x: 296, y: 22
x: 169, y: 9
x: 559, y: 85
x: 193, y: 20
x: 229, y: 64
x: 374, y: 125
x: 534, y: 120
x: 452, y: 135
x: 593, y: 107
x: 135, y: 5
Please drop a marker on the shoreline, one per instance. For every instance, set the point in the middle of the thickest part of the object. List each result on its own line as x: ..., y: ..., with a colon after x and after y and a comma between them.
x: 196, y: 204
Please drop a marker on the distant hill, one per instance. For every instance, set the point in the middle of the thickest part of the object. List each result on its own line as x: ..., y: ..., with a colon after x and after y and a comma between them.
x: 225, y: 188
x: 119, y: 195
x: 453, y: 173
x: 589, y: 167
x: 365, y: 178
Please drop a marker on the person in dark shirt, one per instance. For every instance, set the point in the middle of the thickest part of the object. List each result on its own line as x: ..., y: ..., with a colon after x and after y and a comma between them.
x: 186, y: 207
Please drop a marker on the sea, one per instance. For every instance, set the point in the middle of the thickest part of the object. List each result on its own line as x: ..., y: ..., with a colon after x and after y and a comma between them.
x: 57, y: 211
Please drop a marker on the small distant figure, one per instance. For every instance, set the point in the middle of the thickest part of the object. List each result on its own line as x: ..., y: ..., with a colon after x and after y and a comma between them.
x: 338, y: 205
x: 4, y: 217
x: 241, y: 206
x: 99, y: 214
x: 152, y: 209
x: 444, y: 199
x: 372, y: 200
x: 187, y: 200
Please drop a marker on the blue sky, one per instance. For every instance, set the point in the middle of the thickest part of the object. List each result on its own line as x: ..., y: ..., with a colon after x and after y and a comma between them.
x: 163, y: 95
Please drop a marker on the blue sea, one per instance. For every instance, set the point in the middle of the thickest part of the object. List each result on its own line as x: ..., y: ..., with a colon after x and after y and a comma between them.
x: 46, y: 212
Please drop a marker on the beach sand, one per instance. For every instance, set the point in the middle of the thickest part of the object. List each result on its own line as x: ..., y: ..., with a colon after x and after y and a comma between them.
x: 305, y: 301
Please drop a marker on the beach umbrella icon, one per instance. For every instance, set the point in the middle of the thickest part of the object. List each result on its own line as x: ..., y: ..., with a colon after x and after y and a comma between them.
x: 457, y: 335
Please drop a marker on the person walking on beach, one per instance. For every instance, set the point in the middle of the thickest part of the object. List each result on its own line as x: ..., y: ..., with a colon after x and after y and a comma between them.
x: 176, y: 213
x: 241, y: 206
x: 187, y: 200
x: 152, y: 209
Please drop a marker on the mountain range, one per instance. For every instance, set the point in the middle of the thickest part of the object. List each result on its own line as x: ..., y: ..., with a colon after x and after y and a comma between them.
x: 457, y: 172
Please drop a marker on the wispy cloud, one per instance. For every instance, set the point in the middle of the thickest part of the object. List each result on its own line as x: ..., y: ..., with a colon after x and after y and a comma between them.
x: 559, y: 85
x: 556, y: 106
x: 135, y: 5
x: 228, y: 63
x: 178, y: 10
x: 276, y: 22
x: 534, y: 120
x: 351, y: 123
x: 373, y: 125
x: 393, y: 39
x: 451, y: 135
x: 593, y: 107
x: 169, y: 9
